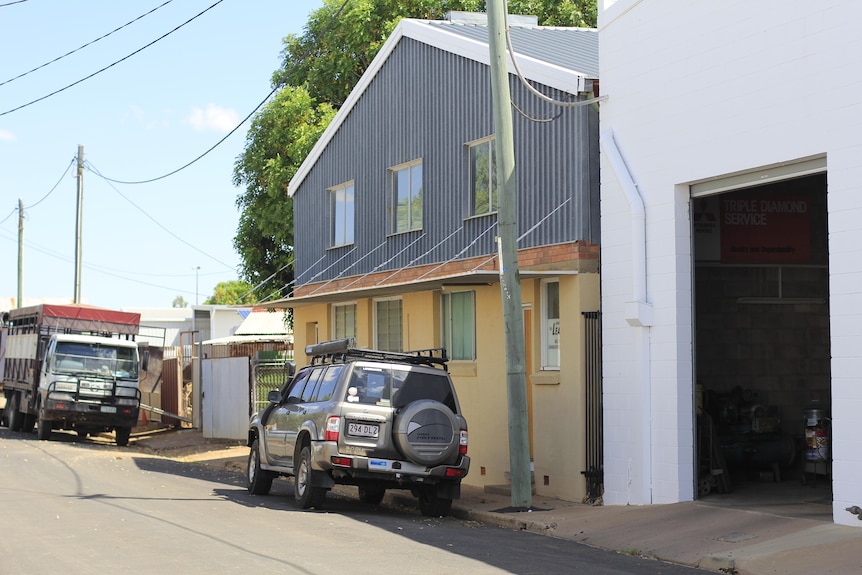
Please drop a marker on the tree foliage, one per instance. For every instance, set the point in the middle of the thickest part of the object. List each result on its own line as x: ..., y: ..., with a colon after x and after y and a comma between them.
x: 319, y: 69
x: 234, y: 292
x: 180, y: 301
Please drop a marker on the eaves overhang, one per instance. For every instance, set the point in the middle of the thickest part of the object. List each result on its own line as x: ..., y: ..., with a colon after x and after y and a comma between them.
x: 453, y: 282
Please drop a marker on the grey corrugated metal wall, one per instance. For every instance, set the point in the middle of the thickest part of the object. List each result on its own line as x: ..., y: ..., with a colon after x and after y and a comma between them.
x: 427, y: 103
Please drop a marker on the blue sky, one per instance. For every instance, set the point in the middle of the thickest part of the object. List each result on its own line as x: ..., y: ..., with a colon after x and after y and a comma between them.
x: 140, y: 119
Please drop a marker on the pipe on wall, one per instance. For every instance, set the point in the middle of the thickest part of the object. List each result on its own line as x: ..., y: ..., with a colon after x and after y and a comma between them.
x: 638, y: 312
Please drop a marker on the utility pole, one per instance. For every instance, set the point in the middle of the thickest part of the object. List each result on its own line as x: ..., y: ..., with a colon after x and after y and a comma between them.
x: 507, y: 254
x: 20, y: 253
x: 79, y: 224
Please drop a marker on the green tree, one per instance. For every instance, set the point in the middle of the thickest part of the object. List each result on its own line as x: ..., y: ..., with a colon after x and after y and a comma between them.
x: 319, y: 69
x: 280, y: 137
x: 180, y: 301
x: 236, y: 292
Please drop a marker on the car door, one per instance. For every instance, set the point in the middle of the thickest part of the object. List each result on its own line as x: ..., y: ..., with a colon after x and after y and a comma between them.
x: 275, y: 426
x: 295, y: 410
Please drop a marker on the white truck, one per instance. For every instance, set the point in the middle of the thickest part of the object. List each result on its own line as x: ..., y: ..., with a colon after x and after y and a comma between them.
x: 72, y: 367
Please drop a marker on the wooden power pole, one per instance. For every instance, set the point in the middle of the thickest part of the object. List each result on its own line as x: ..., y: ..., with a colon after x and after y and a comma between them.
x: 20, y: 253
x: 79, y: 224
x: 507, y: 252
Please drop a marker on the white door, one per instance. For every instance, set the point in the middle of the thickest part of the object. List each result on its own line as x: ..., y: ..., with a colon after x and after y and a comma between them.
x: 225, y: 397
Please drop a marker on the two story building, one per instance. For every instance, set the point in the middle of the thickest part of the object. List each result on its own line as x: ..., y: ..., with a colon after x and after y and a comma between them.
x: 396, y: 225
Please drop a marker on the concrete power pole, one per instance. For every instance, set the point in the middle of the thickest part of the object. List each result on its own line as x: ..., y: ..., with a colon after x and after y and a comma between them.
x: 20, y: 253
x: 507, y: 253
x: 79, y: 224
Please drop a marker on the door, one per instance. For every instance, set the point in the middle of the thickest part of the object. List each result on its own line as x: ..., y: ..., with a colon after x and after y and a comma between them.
x: 225, y: 397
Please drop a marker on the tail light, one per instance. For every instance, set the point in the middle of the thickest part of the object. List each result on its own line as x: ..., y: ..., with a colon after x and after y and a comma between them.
x: 332, y: 425
x: 462, y: 447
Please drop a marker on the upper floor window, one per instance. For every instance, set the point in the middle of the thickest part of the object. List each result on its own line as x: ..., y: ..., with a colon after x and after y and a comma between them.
x: 387, y: 324
x: 406, y: 197
x: 484, y: 198
x: 344, y: 320
x: 341, y: 214
x: 458, y: 311
x: 551, y: 324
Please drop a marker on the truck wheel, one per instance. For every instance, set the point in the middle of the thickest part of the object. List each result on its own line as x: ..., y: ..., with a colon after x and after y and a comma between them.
x: 122, y: 435
x: 305, y: 493
x: 258, y: 481
x: 13, y: 416
x: 44, y: 426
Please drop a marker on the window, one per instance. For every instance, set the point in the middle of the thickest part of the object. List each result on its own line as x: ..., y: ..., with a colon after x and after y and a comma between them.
x: 327, y: 383
x: 551, y: 325
x: 387, y: 324
x: 406, y: 207
x: 341, y: 215
x: 483, y: 178
x: 458, y: 311
x: 344, y: 320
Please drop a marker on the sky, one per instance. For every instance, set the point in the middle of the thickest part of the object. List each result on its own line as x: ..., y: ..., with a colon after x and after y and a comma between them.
x: 143, y: 101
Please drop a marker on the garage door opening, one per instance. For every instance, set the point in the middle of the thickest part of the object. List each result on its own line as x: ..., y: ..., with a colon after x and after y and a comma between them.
x: 762, y: 348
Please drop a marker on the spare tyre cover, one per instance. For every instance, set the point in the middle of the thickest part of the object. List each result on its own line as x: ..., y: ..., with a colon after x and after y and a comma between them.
x: 426, y: 432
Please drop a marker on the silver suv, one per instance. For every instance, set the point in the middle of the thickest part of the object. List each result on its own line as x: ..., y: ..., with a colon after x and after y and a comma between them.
x: 378, y: 420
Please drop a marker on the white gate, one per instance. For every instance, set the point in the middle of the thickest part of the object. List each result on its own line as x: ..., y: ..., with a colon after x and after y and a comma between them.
x: 225, y: 397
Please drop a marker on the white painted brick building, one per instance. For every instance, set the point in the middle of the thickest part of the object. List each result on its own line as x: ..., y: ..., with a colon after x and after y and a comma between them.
x: 715, y: 96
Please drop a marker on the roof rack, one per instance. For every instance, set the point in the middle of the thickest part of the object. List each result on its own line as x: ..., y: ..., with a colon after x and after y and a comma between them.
x: 342, y: 350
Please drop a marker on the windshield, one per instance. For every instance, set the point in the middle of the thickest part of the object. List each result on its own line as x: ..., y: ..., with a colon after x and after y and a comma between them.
x: 96, y: 359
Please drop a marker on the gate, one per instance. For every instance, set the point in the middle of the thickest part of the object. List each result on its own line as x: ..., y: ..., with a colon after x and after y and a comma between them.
x: 594, y: 418
x: 268, y: 371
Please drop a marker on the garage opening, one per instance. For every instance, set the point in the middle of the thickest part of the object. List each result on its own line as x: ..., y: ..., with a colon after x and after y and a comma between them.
x: 762, y: 348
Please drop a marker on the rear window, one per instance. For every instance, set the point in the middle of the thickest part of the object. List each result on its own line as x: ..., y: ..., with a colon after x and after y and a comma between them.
x: 389, y: 385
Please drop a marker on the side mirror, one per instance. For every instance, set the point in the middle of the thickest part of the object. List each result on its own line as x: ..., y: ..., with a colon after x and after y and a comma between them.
x: 273, y: 396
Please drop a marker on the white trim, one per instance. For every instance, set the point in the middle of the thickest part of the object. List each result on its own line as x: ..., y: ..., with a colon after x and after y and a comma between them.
x: 758, y: 177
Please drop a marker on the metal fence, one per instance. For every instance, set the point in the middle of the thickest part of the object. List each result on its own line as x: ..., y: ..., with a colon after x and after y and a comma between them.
x: 594, y: 472
x: 268, y: 373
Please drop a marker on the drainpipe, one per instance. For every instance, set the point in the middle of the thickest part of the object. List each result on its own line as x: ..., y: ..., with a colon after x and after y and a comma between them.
x: 638, y: 311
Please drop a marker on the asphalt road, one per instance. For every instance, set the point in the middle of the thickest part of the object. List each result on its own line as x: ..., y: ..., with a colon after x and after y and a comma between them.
x: 76, y: 506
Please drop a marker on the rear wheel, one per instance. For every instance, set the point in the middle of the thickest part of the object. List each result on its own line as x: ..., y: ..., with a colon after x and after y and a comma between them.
x: 371, y: 494
x: 258, y: 481
x: 13, y: 416
x: 432, y: 505
x: 306, y: 494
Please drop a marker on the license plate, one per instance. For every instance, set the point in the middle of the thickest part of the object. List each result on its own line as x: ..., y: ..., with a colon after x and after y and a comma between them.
x: 363, y: 429
x: 109, y: 409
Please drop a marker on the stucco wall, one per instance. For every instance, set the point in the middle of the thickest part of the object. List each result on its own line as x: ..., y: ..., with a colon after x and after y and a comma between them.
x: 558, y: 428
x: 697, y: 91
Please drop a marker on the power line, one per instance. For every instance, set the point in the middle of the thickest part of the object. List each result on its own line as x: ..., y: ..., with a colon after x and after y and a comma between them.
x: 162, y: 37
x: 94, y: 170
x: 90, y: 43
x: 296, y: 64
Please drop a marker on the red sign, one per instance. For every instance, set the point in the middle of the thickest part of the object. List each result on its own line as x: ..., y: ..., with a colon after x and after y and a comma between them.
x: 764, y: 228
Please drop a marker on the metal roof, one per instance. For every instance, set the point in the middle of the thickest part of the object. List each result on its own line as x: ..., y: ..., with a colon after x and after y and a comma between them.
x: 575, y: 49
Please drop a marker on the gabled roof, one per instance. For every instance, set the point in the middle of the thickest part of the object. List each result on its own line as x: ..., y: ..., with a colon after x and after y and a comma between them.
x: 562, y: 58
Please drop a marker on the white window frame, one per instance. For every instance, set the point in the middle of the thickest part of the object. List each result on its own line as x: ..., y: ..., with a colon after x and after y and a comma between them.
x: 447, y: 330
x: 342, y: 214
x: 414, y: 194
x: 377, y: 343
x: 335, y: 308
x: 493, y: 192
x: 551, y: 329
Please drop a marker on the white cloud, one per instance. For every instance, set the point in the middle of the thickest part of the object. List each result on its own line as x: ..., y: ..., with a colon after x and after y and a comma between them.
x: 214, y: 118
x: 7, y: 136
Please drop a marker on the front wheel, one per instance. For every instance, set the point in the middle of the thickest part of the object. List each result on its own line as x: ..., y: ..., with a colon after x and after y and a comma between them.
x: 258, y: 481
x: 122, y: 435
x: 305, y: 493
x: 43, y: 426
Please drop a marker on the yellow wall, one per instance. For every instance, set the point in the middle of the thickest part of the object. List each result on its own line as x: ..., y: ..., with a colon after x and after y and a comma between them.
x: 558, y: 396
